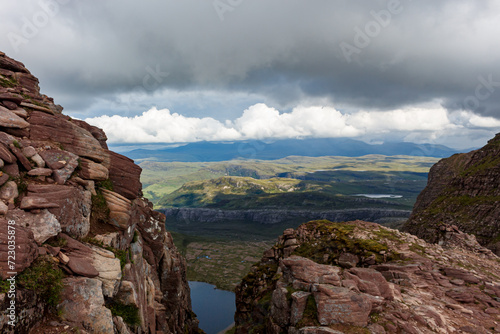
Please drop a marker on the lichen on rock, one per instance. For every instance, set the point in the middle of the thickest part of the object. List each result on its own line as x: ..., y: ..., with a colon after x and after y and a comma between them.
x: 391, y: 282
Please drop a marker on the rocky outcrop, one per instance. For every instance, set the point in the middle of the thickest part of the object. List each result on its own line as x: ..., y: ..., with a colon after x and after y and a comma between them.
x: 463, y: 190
x: 91, y: 256
x: 360, y: 277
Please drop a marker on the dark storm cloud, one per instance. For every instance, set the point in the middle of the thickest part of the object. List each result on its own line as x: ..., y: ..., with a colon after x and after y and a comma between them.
x: 355, y: 54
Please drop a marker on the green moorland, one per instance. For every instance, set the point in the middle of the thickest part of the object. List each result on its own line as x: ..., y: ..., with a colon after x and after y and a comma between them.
x: 222, y: 253
x: 332, y: 175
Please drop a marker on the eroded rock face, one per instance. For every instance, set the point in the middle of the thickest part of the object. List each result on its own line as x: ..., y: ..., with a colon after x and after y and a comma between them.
x: 113, y: 248
x: 125, y: 175
x: 83, y: 305
x: 73, y: 206
x: 44, y: 225
x: 45, y: 127
x: 26, y: 249
x: 397, y: 283
x: 463, y: 190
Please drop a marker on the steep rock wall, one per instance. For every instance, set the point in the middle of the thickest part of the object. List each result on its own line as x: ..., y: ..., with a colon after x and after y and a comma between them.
x: 463, y: 190
x: 81, y: 224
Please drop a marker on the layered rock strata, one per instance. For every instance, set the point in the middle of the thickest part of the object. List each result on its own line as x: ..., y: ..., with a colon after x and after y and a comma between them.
x: 78, y: 212
x: 462, y: 190
x: 360, y: 277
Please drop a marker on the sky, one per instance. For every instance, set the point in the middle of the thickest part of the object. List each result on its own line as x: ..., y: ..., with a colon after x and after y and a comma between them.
x: 165, y: 71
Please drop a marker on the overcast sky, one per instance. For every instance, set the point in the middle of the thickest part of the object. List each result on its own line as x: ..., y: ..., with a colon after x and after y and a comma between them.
x: 182, y: 71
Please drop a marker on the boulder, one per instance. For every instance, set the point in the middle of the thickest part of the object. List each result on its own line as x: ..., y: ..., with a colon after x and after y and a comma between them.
x: 74, y: 206
x: 38, y: 160
x: 9, y: 104
x: 95, y: 131
x: 83, y: 305
x: 62, y: 162
x: 6, y: 155
x: 40, y: 172
x: 20, y: 112
x: 11, y: 97
x: 309, y: 271
x: 44, y: 225
x: 64, y: 259
x: 82, y: 267
x: 9, y: 192
x: 93, y: 171
x: 10, y: 120
x: 21, y: 158
x: 348, y: 260
x: 45, y: 127
x: 29, y: 151
x: 25, y: 247
x: 6, y: 139
x: 375, y: 279
x: 338, y: 305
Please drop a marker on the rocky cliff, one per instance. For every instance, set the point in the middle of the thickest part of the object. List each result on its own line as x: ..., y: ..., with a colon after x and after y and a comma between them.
x: 269, y: 216
x: 360, y: 277
x: 463, y: 190
x: 86, y: 252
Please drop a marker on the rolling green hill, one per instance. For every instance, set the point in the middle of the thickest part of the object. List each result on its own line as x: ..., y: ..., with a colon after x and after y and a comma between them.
x: 371, y: 174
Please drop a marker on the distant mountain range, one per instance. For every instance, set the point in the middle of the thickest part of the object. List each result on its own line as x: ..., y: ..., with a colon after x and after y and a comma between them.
x: 211, y: 151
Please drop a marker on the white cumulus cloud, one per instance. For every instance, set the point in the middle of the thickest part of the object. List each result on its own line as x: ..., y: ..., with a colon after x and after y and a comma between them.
x: 259, y: 121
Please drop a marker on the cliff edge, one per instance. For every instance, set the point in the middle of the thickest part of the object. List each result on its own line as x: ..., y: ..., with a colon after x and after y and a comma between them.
x: 81, y: 249
x: 462, y: 190
x: 360, y: 277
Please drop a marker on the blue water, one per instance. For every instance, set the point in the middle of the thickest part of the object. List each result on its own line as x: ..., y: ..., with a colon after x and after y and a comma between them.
x: 214, y: 308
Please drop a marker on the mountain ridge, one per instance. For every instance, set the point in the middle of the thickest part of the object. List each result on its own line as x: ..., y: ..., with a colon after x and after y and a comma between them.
x: 463, y: 190
x: 313, y: 147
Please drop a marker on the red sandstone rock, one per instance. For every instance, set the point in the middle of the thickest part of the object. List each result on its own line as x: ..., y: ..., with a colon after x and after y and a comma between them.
x: 6, y: 155
x: 74, y: 206
x: 416, y: 295
x: 21, y: 158
x: 125, y: 175
x: 10, y: 120
x: 82, y: 267
x: 26, y: 249
x: 160, y: 281
x: 73, y: 138
x: 338, y: 305
x: 95, y: 131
